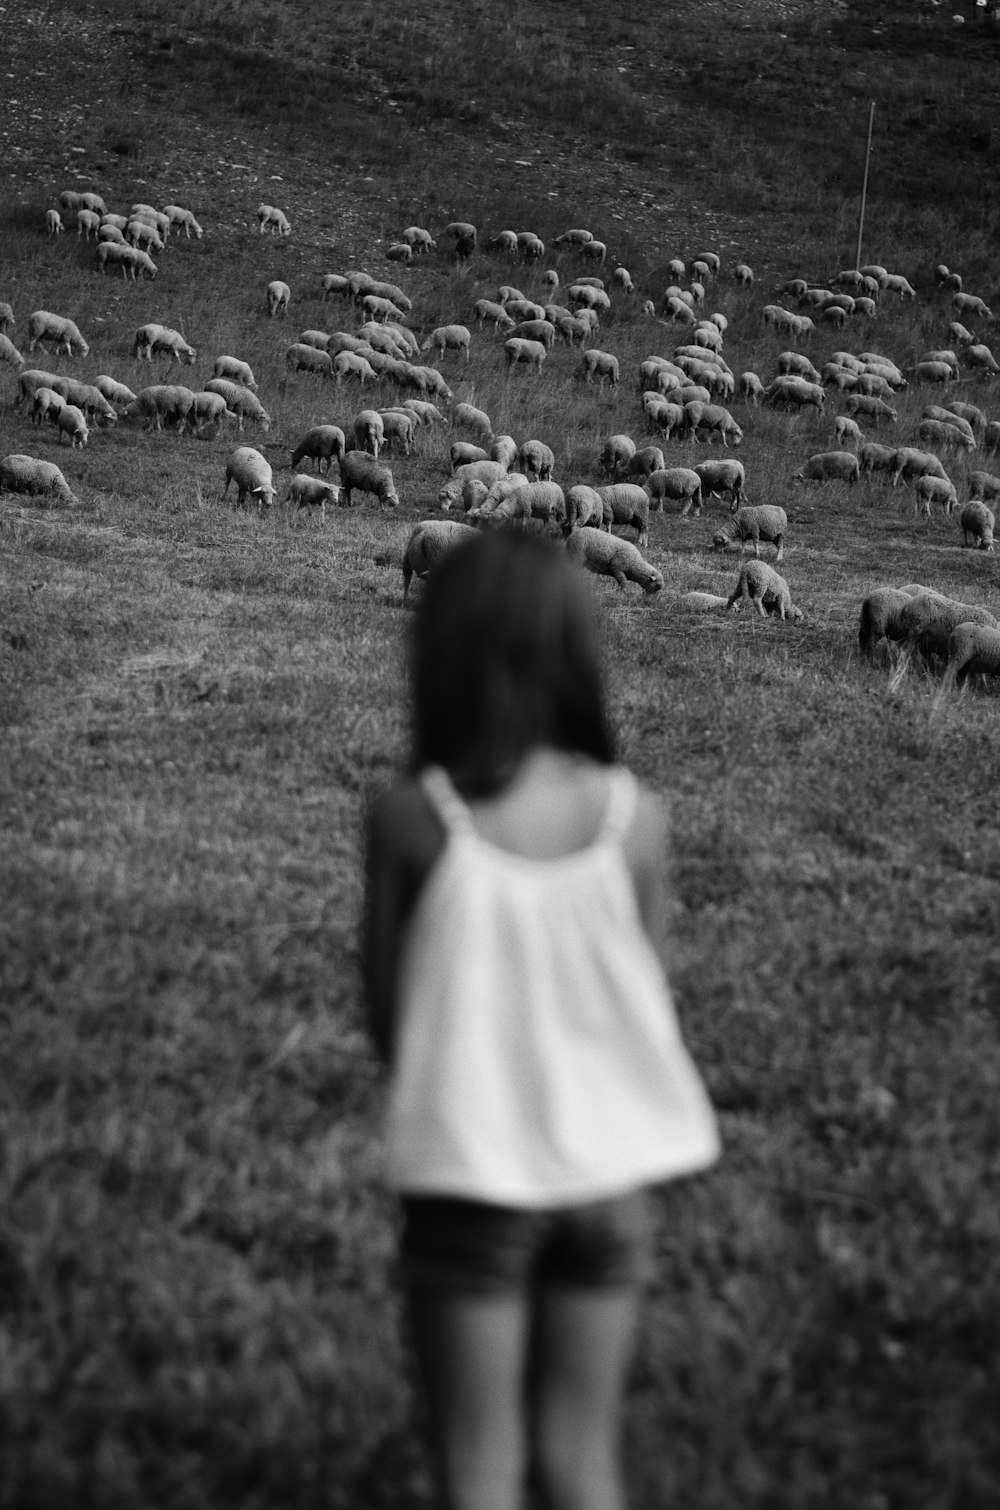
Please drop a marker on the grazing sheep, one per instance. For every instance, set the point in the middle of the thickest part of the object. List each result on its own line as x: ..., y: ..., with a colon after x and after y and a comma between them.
x: 969, y: 304
x: 130, y: 259
x: 350, y: 364
x: 629, y: 505
x: 874, y: 362
x: 718, y: 477
x: 429, y: 542
x: 873, y: 385
x: 983, y: 485
x: 948, y: 416
x: 150, y: 338
x: 53, y: 223
x: 9, y: 352
x: 715, y: 419
x: 512, y: 502
x: 609, y: 555
x: 972, y: 649
x: 584, y: 505
x: 163, y: 403
x: 7, y: 321
x: 616, y: 453
x: 146, y: 214
x: 88, y: 397
x: 622, y: 278
x: 876, y: 458
x: 679, y: 312
x: 399, y: 251
x: 909, y: 463
x: 602, y: 364
x: 252, y: 475
x: 361, y: 473
x: 236, y: 370
x: 178, y: 216
x: 895, y: 283
x: 766, y: 589
x: 784, y: 322
x: 587, y: 297
x: 797, y: 364
x: 88, y: 224
x: 139, y: 233
x: 376, y: 307
x: 926, y: 622
x: 45, y: 405
x: 991, y: 436
x: 524, y: 309
x: 676, y: 483
x: 879, y: 610
x: 535, y: 330
x: 930, y: 490
x: 278, y: 296
x: 72, y: 422
x: 830, y: 466
x: 942, y: 356
x: 463, y: 236
x: 209, y: 409
x: 789, y: 392
x: 933, y: 372
x: 463, y: 452
x: 88, y: 200
x: 973, y: 416
x: 369, y: 432
x: 322, y: 443
x: 398, y: 425
x: 530, y: 246
x: 535, y: 458
x: 646, y: 461
x: 307, y: 492
x: 875, y: 409
x: 449, y: 338
x: 762, y: 521
x: 429, y: 380
x: 867, y: 307
x: 28, y: 474
x: 981, y: 357
x: 936, y: 432
x: 977, y: 523
x: 301, y: 358
x: 488, y: 309
x: 44, y: 327
x: 743, y: 274
x: 530, y: 353
x: 845, y: 430
x: 668, y: 418
x: 29, y: 381
x: 751, y: 388
x: 958, y: 333
x: 473, y: 419
x: 69, y: 199
x: 273, y: 220
x: 243, y: 403
x: 335, y: 283
x: 420, y: 240
x: 504, y: 450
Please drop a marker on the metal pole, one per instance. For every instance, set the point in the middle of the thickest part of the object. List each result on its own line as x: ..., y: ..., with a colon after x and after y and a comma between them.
x: 864, y: 187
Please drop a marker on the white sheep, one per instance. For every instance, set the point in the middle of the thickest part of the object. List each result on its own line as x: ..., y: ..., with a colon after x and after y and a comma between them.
x: 790, y: 392
x: 272, y: 219
x: 158, y: 338
x: 600, y: 364
x: 594, y: 251
x: 629, y: 505
x: 719, y: 477
x: 398, y: 424
x: 611, y: 556
x: 139, y: 233
x: 676, y: 268
x: 420, y: 240
x: 504, y: 450
x: 575, y: 236
x: 926, y: 622
x: 130, y: 259
x: 971, y: 413
x: 766, y: 589
x: 504, y: 241
x: 243, y: 403
x: 535, y: 458
x: 489, y: 309
x: 46, y: 404
x: 930, y: 490
x: 427, y: 413
x: 462, y: 453
x: 399, y: 251
x: 713, y: 418
x: 236, y: 370
x: 983, y: 485
x: 743, y: 274
x: 679, y: 484
x: 528, y: 353
x: 970, y: 304
x: 321, y: 443
x: 177, y: 216
x: 72, y: 422
x: 489, y: 472
x: 302, y: 358
x: 44, y: 327
x: 429, y: 542
x: 584, y: 505
x: 252, y: 475
x: 646, y: 461
x: 111, y: 233
x: 278, y: 297
x: 149, y: 215
x: 53, y: 223
x: 351, y: 364
x: 616, y: 453
x: 622, y: 278
x: 369, y: 432
x: 830, y: 466
x: 972, y: 649
x: 936, y: 432
x: 377, y: 307
x: 305, y: 492
x: 28, y: 474
x: 210, y: 409
x: 88, y: 397
x: 449, y: 338
x: 875, y: 409
x: 70, y: 199
x: 463, y: 236
x: 847, y: 430
x: 753, y: 523
x: 585, y: 296
x: 361, y: 473
x: 909, y: 463
x: 7, y: 321
x: 982, y: 357
x: 163, y: 403
x: 9, y: 352
x: 88, y: 224
x: 530, y: 246
x: 514, y: 501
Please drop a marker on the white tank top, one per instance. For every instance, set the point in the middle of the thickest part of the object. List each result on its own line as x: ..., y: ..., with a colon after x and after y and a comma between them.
x: 539, y: 1060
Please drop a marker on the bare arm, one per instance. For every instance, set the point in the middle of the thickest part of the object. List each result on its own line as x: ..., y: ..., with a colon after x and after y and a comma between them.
x: 647, y: 852
x: 405, y: 838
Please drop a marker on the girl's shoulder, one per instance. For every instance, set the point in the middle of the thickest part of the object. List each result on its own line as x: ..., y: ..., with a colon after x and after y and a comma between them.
x: 404, y: 825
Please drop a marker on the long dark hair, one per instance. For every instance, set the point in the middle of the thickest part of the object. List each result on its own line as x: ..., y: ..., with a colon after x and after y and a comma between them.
x: 506, y: 657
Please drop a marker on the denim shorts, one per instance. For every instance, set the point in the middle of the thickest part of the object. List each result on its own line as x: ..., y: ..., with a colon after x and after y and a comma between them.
x: 468, y: 1245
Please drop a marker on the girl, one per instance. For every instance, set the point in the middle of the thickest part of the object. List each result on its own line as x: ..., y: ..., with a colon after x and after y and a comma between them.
x: 539, y: 1086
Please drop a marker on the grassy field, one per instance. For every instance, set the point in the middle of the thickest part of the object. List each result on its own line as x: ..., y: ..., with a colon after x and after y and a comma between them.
x: 196, y: 1253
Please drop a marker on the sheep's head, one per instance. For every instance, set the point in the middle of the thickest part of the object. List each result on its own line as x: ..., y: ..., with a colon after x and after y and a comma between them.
x: 651, y: 580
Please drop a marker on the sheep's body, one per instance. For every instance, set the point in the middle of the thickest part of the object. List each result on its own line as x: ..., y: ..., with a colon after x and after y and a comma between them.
x: 29, y: 381
x: 797, y: 364
x: 622, y: 278
x: 352, y: 364
x: 88, y: 397
x: 463, y: 236
x: 977, y: 523
x: 88, y: 224
x: 426, y: 413
x: 972, y: 649
x: 53, y: 223
x: 278, y: 296
x: 378, y: 308
x: 875, y: 409
x: 667, y: 417
x: 874, y: 385
x: 845, y: 430
x: 489, y: 309
x: 322, y: 443
x: 511, y: 502
x: 970, y: 304
x: 398, y: 425
x: 751, y: 388
x: 520, y: 308
x: 646, y: 461
x: 45, y: 405
x: 743, y: 274
x: 718, y: 477
x: 163, y: 404
x: 473, y: 419
x: 609, y: 555
x: 785, y: 322
x: 791, y: 392
x: 130, y: 259
x: 753, y: 523
x: 335, y: 283
x: 909, y: 463
x: 504, y: 450
x: 584, y: 505
x: 932, y: 372
x: 616, y: 453
x: 830, y: 466
x: 463, y: 453
x: 530, y: 353
x: 535, y: 458
x: 926, y: 622
x: 147, y: 214
x: 937, y: 432
x: 178, y: 216
x: 210, y: 409
x: 399, y: 251
x: 361, y: 473
x: 535, y: 330
x: 270, y: 218
x: 575, y: 236
x: 879, y: 612
x: 9, y: 352
x: 629, y: 505
x: 930, y: 490
x: 980, y: 356
x: 766, y: 589
x: 6, y: 316
x: 71, y: 422
x: 369, y: 432
x: 949, y: 416
x: 139, y: 233
x: 29, y: 474
x: 429, y: 543
x: 945, y: 355
x: 970, y: 413
x: 302, y: 358
x: 676, y: 483
x: 449, y: 338
x: 243, y: 403
x: 252, y: 475
x: 159, y: 338
x: 983, y: 485
x: 305, y: 492
x: 45, y: 327
x: 714, y: 418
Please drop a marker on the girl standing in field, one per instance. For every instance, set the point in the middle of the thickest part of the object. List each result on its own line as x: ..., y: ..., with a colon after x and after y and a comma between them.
x: 514, y: 955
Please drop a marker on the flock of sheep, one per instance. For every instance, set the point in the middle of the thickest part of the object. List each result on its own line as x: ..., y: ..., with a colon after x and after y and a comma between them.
x: 495, y: 482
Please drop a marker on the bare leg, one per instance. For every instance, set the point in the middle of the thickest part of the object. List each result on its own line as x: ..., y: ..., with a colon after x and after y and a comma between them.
x: 471, y: 1350
x: 584, y: 1345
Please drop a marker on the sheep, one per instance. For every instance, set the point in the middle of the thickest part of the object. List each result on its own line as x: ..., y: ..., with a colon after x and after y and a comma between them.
x: 895, y: 283
x: 970, y: 413
x: 790, y: 392
x: 252, y: 475
x: 488, y: 309
x: 378, y: 308
x: 7, y: 321
x: 535, y: 330
x: 88, y: 397
x: 763, y: 521
x: 530, y: 353
x: 939, y: 433
x: 622, y: 278
x: 668, y: 418
x: 510, y: 501
x: 875, y: 409
x: 677, y: 484
x: 426, y: 413
x: 398, y: 424
x: 350, y: 364
x: 45, y: 405
x: 463, y: 236
x: 429, y: 542
x: 572, y: 328
x: 28, y: 474
x: 909, y: 463
x: 698, y: 293
x: 982, y: 485
x: 504, y: 450
x: 959, y: 334
x: 473, y: 419
x: 69, y: 199
x: 399, y: 251
x: 209, y: 409
x: 945, y: 279
x: 114, y: 223
x: 359, y: 283
x: 616, y: 453
x: 969, y: 304
x: 236, y: 370
x: 535, y: 458
x: 305, y: 492
x: 587, y: 297
x: 609, y: 555
x: 784, y: 322
x: 44, y: 327
x: 361, y: 473
x: 243, y: 403
x: 876, y: 458
x: 765, y: 588
x: 743, y: 274
x: 429, y: 380
x: 524, y: 309
x: 879, y: 610
x: 449, y: 338
x: 485, y: 488
x: 53, y: 223
x: 940, y: 490
x: 320, y: 444
x: 463, y: 452
x: 589, y: 282
x: 150, y: 338
x: 678, y: 311
x: 575, y: 236
x: 942, y: 356
x: 273, y: 220
x: 277, y: 296
x: 88, y: 224
x: 334, y: 283
x: 873, y: 362
x: 707, y: 335
x: 139, y: 234
x: 715, y: 419
x: 29, y: 381
x: 302, y: 358
x: 874, y: 385
x: 152, y: 216
x: 629, y: 505
x: 530, y: 246
x: 676, y: 268
x: 972, y: 648
x: 584, y: 505
x: 369, y: 432
x: 991, y: 436
x: 932, y: 372
x: 396, y: 340
x: 867, y: 307
x: 9, y: 352
x: 977, y: 523
x: 928, y: 619
x: 420, y: 240
x: 178, y: 216
x: 72, y: 422
x: 163, y: 403
x: 718, y: 477
x: 845, y: 430
x: 830, y: 466
x: 602, y: 364
x: 646, y: 461
x: 130, y: 259
x: 750, y: 388
x: 981, y: 356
